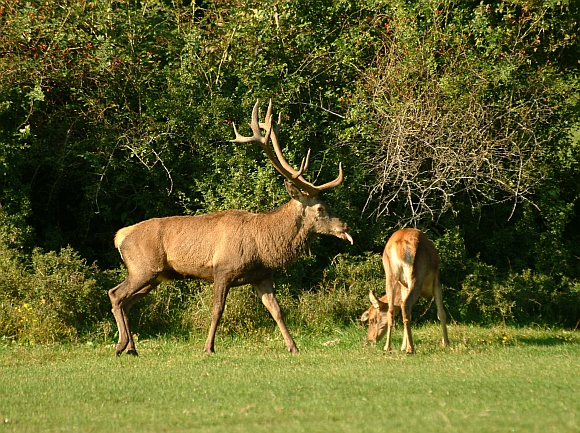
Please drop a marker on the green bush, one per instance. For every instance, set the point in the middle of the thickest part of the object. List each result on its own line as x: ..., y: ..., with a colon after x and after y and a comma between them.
x: 524, y: 297
x: 457, y: 117
x: 475, y: 291
x: 49, y: 297
x: 342, y: 294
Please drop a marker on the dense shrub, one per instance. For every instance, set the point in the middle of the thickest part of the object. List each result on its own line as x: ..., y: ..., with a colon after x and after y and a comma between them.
x: 54, y: 297
x: 459, y: 118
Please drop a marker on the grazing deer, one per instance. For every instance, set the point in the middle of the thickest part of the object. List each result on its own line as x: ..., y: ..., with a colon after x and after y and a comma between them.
x: 411, y: 267
x: 230, y: 248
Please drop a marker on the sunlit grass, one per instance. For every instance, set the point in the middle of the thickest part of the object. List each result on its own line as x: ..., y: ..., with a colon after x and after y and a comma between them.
x: 488, y: 379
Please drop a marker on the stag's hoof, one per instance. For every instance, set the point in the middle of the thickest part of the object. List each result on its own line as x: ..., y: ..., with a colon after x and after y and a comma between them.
x: 132, y: 352
x: 294, y: 350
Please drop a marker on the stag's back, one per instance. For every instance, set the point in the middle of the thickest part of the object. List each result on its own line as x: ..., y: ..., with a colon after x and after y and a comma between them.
x: 183, y: 245
x: 194, y: 246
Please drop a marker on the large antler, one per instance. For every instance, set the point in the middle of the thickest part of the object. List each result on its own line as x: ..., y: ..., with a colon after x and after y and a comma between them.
x: 271, y: 129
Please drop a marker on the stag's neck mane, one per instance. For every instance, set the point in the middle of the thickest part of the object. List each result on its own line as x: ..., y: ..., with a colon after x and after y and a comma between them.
x: 283, y: 235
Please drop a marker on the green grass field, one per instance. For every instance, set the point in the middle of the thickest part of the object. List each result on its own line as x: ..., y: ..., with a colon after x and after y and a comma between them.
x: 488, y: 380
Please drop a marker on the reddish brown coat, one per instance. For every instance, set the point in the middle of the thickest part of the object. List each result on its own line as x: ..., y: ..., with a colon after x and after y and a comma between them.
x: 411, y: 265
x: 229, y: 248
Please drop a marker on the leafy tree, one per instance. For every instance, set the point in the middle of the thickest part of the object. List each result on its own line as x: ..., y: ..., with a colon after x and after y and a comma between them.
x: 458, y: 117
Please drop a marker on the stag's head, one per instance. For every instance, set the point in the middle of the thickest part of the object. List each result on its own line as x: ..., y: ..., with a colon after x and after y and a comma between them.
x: 376, y: 315
x: 317, y: 215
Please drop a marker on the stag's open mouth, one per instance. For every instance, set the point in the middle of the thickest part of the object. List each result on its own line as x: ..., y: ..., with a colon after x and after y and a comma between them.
x: 346, y: 236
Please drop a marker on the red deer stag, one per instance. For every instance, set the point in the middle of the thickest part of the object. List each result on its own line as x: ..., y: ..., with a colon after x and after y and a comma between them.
x: 411, y: 267
x: 230, y: 248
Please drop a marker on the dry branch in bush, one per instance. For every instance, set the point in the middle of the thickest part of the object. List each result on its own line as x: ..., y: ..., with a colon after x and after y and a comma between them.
x: 430, y: 150
x: 443, y: 123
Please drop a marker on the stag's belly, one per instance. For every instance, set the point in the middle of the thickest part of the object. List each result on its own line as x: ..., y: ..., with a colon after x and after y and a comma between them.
x: 233, y: 276
x: 221, y: 251
x: 173, y: 272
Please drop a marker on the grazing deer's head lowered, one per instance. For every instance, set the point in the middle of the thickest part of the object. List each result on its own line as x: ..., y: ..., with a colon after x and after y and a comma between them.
x: 229, y: 248
x: 411, y: 266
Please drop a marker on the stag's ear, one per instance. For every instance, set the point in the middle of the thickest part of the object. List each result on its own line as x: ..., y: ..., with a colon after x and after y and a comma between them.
x: 365, y: 316
x: 294, y: 191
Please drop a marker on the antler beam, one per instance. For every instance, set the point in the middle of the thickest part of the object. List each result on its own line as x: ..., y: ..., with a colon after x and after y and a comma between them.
x: 271, y: 129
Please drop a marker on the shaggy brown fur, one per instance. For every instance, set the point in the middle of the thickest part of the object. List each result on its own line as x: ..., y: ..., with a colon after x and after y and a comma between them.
x: 230, y: 248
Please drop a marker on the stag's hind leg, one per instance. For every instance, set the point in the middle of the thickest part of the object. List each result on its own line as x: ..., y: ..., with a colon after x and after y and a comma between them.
x: 220, y: 293
x: 265, y: 290
x: 122, y: 299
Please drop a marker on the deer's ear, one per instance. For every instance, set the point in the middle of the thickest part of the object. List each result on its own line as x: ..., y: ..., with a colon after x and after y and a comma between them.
x: 374, y: 300
x: 293, y: 190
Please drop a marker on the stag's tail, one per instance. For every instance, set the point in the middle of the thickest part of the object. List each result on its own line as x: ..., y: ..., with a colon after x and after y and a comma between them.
x: 121, y: 235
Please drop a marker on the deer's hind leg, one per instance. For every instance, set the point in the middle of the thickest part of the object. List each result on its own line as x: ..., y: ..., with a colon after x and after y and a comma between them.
x: 122, y: 299
x: 407, y: 303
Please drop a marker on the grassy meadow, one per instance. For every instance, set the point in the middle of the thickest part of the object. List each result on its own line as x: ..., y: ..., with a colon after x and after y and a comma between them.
x: 498, y: 379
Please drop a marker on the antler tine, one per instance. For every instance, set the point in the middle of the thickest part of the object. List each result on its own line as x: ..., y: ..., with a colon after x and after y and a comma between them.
x: 304, y: 164
x: 278, y: 161
x: 257, y: 136
x: 292, y: 174
x: 296, y: 176
x: 333, y: 183
x: 266, y: 124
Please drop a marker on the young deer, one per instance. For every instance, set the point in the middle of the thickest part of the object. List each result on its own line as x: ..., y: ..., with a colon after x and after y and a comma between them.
x: 411, y: 266
x: 229, y: 248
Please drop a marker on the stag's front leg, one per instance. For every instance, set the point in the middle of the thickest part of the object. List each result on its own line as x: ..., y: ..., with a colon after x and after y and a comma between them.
x: 265, y: 290
x: 220, y: 293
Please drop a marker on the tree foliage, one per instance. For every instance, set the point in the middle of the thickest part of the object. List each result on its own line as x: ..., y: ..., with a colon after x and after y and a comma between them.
x: 457, y: 117
x: 466, y: 103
